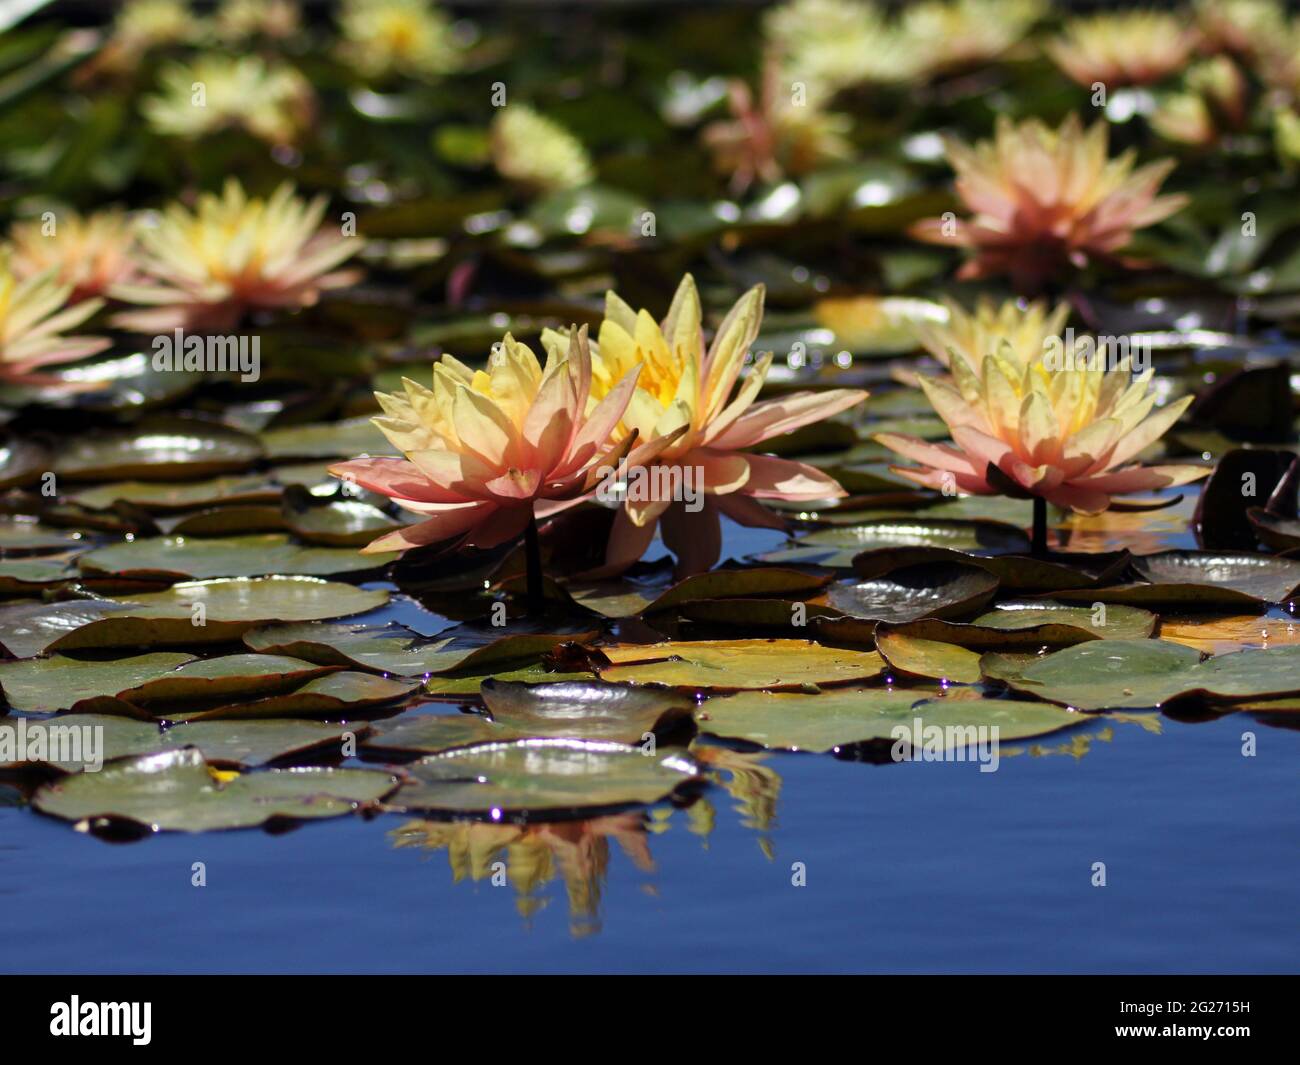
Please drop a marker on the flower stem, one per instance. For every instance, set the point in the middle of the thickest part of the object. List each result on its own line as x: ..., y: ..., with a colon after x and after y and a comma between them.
x: 533, y: 555
x: 1038, y: 547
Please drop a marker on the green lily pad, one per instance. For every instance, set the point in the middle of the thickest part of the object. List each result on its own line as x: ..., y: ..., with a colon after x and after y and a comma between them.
x: 166, y: 450
x: 328, y: 440
x: 332, y: 695
x: 733, y: 665
x: 1264, y: 577
x: 928, y: 658
x: 159, y: 497
x: 467, y: 686
x: 175, y: 791
x: 342, y: 523
x: 190, y: 613
x: 242, y: 744
x: 1115, y: 674
x: 45, y: 685
x: 978, y: 537
x: 1058, y: 623
x: 31, y: 576
x: 182, y: 558
x: 790, y: 721
x: 393, y: 648
x: 20, y: 536
x: 543, y: 776
x: 435, y: 733
x: 913, y: 592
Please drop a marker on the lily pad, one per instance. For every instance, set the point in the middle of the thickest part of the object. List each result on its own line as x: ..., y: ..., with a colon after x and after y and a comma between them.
x: 1014, y: 572
x: 941, y: 591
x: 332, y: 695
x: 1233, y: 632
x: 46, y: 685
x: 393, y: 648
x: 1265, y: 577
x: 928, y: 658
x: 1058, y: 623
x: 846, y: 716
x: 243, y: 744
x: 1281, y: 534
x: 160, y: 497
x: 979, y: 537
x: 31, y: 576
x: 166, y: 450
x: 435, y: 733
x: 733, y: 665
x: 543, y: 776
x: 181, y: 558
x: 590, y: 710
x: 1115, y: 674
x: 192, y: 613
x: 329, y: 440
x: 341, y: 523
x: 176, y: 791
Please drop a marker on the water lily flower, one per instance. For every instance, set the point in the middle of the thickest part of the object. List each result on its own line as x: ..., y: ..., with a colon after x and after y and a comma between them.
x: 486, y: 451
x: 238, y: 20
x: 1063, y: 429
x: 778, y: 135
x: 34, y: 315
x: 91, y: 253
x: 829, y: 45
x: 144, y: 24
x: 1124, y: 48
x: 206, y: 268
x: 410, y: 38
x: 271, y: 101
x: 691, y: 429
x: 954, y: 35
x: 1021, y: 332
x: 1045, y: 200
x: 536, y: 153
x: 1245, y: 28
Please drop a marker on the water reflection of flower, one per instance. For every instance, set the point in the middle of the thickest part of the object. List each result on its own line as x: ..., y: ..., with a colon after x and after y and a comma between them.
x: 529, y: 857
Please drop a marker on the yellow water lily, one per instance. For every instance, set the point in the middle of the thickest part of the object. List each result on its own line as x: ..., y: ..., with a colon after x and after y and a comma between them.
x: 411, y: 38
x: 695, y: 418
x: 487, y: 451
x: 91, y: 253
x: 537, y: 153
x: 1016, y: 330
x: 237, y: 20
x: 34, y: 315
x: 272, y: 101
x: 1066, y: 427
x: 205, y: 268
x: 952, y: 35
x: 1124, y: 48
x: 829, y: 45
x: 1046, y: 200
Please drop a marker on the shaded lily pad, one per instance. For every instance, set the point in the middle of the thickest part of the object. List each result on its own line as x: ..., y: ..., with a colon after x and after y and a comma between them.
x: 944, y: 590
x: 175, y: 791
x: 859, y: 715
x: 434, y: 733
x: 30, y: 576
x: 194, y: 612
x: 166, y: 450
x: 1281, y: 534
x: 393, y: 648
x: 731, y: 665
x: 542, y: 776
x: 1057, y: 623
x: 21, y: 536
x: 21, y: 462
x: 341, y: 523
x: 1014, y: 572
x: 1270, y: 579
x: 1114, y: 674
x: 183, y: 558
x: 331, y: 695
x: 619, y: 599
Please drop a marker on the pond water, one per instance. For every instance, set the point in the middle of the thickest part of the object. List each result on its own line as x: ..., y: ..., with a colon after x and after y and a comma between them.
x: 914, y: 867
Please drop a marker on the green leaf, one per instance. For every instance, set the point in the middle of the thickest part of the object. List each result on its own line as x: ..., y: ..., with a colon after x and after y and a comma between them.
x: 175, y: 791
x: 182, y: 558
x: 543, y: 776
x: 730, y: 665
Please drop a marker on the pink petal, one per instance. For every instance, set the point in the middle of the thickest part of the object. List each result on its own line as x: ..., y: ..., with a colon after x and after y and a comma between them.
x: 452, y: 521
x: 775, y: 416
x: 395, y: 478
x: 773, y: 478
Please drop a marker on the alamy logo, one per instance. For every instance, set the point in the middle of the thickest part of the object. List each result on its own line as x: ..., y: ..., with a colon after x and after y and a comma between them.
x: 919, y: 742
x: 39, y: 741
x: 652, y: 484
x: 208, y: 354
x: 103, y: 1018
